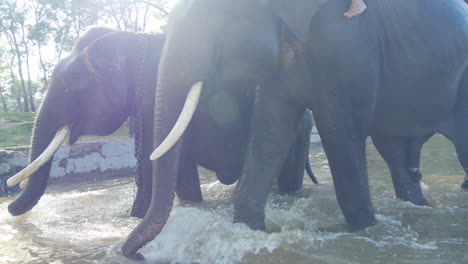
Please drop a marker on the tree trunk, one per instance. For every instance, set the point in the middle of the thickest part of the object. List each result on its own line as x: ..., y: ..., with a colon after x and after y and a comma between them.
x: 44, y: 69
x: 20, y: 72
x: 2, y: 97
x: 14, y: 91
x: 29, y: 90
x: 145, y: 18
x: 62, y: 42
x: 40, y: 14
x: 11, y: 35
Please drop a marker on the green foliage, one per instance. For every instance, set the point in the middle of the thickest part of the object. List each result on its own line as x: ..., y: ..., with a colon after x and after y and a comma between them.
x: 17, y: 117
x: 45, y: 31
x: 16, y: 135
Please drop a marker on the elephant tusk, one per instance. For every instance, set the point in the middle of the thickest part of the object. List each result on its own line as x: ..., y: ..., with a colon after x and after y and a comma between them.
x: 23, y: 183
x: 45, y: 156
x: 182, y: 122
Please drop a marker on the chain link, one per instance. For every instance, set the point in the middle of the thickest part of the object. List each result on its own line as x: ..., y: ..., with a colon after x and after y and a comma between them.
x: 143, y: 42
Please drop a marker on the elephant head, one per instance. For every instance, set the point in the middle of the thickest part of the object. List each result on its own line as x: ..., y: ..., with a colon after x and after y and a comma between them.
x: 92, y: 92
x: 230, y: 46
x: 221, y: 44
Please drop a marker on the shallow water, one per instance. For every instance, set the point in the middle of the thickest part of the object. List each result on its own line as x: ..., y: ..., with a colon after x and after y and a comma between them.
x: 87, y: 223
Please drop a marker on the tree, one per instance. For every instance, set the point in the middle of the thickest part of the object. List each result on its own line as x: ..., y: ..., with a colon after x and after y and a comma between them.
x: 25, y: 42
x: 14, y: 90
x: 3, y: 74
x: 9, y: 22
x: 41, y: 30
x: 44, y: 30
x: 134, y: 15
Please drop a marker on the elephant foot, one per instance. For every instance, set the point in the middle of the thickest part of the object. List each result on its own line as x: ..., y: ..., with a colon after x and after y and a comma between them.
x: 464, y: 185
x: 190, y: 195
x: 250, y: 214
x: 253, y: 222
x: 137, y: 256
x: 360, y: 218
x: 193, y: 200
x: 412, y: 193
x: 288, y: 189
x: 408, y: 188
x: 356, y: 227
x: 416, y: 200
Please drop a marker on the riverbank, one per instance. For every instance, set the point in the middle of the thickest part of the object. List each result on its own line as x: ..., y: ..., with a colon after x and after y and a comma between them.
x: 82, y: 162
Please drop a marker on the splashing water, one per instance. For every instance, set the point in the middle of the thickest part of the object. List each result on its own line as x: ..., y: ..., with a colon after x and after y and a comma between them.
x: 89, y: 224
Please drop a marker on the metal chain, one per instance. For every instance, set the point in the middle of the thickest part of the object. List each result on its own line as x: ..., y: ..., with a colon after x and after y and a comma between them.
x: 143, y: 42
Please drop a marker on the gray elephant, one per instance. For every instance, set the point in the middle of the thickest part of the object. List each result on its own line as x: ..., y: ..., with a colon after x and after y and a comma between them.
x: 110, y: 75
x: 397, y: 73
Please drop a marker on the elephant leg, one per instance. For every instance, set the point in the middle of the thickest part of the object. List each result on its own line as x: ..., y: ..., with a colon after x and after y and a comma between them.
x: 188, y: 181
x: 344, y: 141
x: 397, y: 152
x: 272, y: 131
x: 414, y: 156
x: 464, y: 184
x: 461, y: 147
x: 458, y: 128
x: 458, y: 135
x: 292, y: 173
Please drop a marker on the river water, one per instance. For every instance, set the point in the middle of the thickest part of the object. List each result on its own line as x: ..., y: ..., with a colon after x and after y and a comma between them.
x: 87, y: 223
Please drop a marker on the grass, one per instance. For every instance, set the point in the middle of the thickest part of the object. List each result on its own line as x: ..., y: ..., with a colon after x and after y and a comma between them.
x: 19, y: 129
x: 15, y: 136
x: 121, y: 133
x: 17, y: 117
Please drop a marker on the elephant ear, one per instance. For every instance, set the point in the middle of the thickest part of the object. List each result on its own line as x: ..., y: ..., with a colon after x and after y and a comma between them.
x: 90, y: 36
x: 107, y: 57
x: 108, y: 53
x: 297, y: 14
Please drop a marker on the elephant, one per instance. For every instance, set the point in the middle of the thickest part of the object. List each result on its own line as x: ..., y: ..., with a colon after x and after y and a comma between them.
x: 93, y: 91
x: 389, y: 73
x: 111, y: 75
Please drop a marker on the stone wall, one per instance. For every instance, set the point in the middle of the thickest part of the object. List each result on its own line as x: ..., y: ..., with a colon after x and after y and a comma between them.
x: 83, y: 161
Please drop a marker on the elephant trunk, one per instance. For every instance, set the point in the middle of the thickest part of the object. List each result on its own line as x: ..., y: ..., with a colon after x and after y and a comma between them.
x: 164, y: 185
x: 182, y: 122
x: 165, y: 171
x: 45, y: 129
x: 179, y: 70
